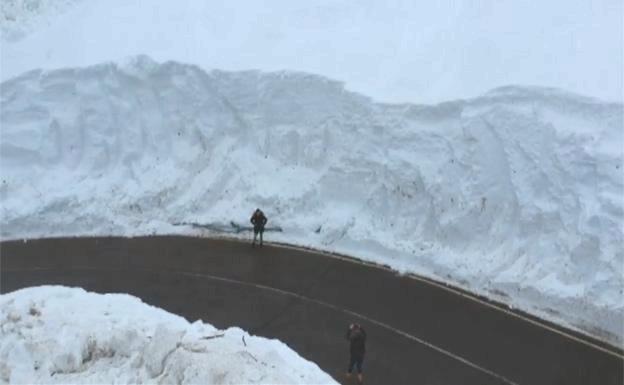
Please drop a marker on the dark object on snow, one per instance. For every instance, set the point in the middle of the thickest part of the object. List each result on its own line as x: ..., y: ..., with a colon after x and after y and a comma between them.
x: 258, y: 220
x: 227, y: 228
x: 357, y: 341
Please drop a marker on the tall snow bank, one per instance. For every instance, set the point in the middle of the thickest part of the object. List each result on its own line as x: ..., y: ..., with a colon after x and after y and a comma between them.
x: 516, y: 194
x: 54, y: 334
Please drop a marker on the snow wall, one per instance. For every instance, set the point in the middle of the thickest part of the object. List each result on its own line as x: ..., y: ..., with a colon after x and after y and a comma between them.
x: 517, y: 194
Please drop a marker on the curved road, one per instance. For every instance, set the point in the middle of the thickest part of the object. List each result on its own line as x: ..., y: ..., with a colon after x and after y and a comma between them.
x: 419, y: 332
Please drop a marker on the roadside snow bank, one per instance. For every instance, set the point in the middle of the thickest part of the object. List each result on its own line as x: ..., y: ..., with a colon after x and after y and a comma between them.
x: 54, y: 334
x: 517, y: 194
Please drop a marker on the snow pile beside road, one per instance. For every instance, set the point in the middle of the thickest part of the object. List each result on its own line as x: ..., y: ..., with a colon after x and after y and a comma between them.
x: 516, y: 194
x: 59, y: 335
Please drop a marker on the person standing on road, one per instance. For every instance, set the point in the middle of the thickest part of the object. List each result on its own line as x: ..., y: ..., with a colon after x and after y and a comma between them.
x: 357, y: 340
x: 258, y: 220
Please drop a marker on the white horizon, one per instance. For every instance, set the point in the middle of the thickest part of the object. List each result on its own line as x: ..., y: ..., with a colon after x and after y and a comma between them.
x: 396, y: 52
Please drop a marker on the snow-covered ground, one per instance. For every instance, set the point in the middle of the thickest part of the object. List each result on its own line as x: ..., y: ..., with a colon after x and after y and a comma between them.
x: 59, y: 335
x: 516, y: 194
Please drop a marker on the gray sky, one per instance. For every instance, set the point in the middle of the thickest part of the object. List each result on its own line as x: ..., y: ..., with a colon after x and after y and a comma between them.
x: 428, y: 51
x: 391, y: 50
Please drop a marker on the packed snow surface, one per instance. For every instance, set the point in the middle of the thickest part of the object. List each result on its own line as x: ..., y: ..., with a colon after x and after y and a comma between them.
x: 516, y: 194
x: 60, y: 335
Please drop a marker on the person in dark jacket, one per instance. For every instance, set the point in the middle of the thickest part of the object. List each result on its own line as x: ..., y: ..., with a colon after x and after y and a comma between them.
x: 258, y: 220
x: 357, y: 341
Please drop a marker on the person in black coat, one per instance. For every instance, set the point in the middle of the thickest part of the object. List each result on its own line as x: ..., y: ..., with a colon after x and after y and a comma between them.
x: 258, y: 220
x: 357, y: 341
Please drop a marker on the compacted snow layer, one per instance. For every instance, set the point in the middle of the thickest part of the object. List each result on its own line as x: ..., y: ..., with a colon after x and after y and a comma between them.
x: 54, y: 334
x: 516, y: 194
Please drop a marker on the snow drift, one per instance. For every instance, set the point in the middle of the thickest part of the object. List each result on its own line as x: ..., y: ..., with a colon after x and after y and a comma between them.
x: 62, y: 335
x: 516, y: 194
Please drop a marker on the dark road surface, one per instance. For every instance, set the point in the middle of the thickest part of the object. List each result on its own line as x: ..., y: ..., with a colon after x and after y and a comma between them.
x: 419, y: 332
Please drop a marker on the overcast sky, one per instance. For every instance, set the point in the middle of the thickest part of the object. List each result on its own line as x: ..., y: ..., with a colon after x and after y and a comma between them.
x: 438, y: 50
x: 395, y: 51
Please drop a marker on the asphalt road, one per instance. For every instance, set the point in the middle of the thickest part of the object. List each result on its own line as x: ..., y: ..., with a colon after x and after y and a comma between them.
x: 418, y: 332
